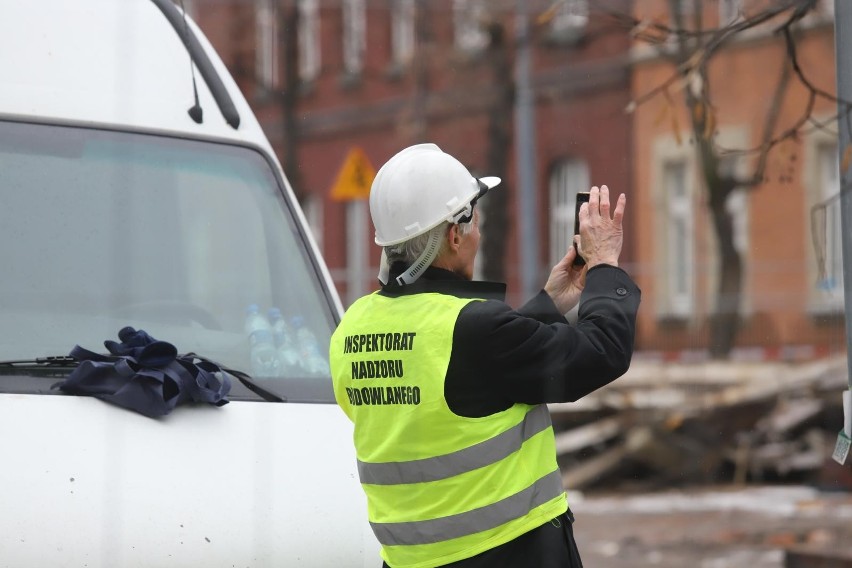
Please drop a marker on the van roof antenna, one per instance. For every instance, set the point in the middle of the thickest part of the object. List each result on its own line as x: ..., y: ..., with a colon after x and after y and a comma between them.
x: 200, y: 60
x: 196, y: 112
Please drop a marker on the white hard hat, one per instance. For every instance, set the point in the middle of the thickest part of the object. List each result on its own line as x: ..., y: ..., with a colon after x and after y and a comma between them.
x: 419, y: 188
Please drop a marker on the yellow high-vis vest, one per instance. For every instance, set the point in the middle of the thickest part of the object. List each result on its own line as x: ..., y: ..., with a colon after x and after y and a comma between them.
x: 440, y: 487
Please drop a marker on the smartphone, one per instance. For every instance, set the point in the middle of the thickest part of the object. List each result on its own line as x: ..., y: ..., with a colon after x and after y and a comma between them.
x: 582, y: 197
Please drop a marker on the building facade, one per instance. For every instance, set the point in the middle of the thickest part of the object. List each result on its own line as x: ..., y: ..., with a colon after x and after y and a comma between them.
x: 327, y: 77
x: 379, y: 75
x: 785, y: 228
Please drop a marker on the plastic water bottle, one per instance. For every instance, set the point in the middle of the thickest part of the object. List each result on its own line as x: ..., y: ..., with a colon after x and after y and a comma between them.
x: 264, y: 360
x: 285, y: 342
x: 313, y: 361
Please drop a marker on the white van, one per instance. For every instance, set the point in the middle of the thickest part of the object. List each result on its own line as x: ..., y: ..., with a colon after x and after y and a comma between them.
x: 120, y: 207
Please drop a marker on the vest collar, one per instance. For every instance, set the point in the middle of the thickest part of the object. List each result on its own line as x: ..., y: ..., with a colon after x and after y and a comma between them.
x: 442, y: 281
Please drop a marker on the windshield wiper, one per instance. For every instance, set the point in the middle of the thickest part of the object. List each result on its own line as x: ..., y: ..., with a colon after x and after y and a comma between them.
x: 251, y: 385
x: 62, y: 361
x: 54, y: 363
x: 52, y: 366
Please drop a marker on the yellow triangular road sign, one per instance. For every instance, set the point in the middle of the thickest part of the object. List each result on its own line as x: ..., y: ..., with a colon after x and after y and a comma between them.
x: 355, y: 177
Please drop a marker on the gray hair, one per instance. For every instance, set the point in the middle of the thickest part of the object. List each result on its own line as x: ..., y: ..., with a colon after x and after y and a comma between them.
x: 410, y: 250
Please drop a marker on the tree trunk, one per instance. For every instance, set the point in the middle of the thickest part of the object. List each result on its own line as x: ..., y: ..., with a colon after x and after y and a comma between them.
x: 289, y: 95
x: 725, y: 315
x: 499, y: 146
x: 725, y: 320
x: 420, y: 68
x: 695, y: 46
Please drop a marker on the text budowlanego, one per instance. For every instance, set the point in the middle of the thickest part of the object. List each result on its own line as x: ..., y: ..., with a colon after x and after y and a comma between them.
x: 380, y: 368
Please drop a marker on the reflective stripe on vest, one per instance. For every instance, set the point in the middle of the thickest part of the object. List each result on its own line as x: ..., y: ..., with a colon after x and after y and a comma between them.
x: 470, y: 522
x: 441, y: 467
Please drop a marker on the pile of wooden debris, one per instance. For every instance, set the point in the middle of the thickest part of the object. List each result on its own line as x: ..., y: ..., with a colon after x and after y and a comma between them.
x: 668, y: 424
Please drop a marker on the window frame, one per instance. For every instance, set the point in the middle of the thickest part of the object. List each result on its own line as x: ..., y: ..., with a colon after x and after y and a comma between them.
x: 354, y: 36
x: 310, y: 54
x: 568, y: 177
x: 828, y: 190
x: 679, y: 269
x: 267, y: 69
x: 818, y: 146
x: 729, y: 11
x: 403, y: 32
x: 468, y: 35
x: 569, y: 22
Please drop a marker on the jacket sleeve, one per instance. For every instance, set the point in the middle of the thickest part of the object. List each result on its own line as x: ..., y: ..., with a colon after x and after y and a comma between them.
x: 533, y: 355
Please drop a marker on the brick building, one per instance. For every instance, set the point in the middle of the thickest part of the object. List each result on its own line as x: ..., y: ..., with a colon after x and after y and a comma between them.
x: 790, y: 306
x: 383, y: 74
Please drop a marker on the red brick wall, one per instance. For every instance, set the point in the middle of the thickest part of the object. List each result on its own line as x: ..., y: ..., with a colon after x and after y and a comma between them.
x: 579, y: 108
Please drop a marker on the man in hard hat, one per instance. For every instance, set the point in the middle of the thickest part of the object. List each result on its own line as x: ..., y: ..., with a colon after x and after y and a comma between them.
x: 447, y: 385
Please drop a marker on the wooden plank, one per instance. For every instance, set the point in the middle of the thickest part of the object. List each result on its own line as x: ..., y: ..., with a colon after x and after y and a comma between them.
x: 814, y: 559
x: 587, y: 435
x: 593, y: 468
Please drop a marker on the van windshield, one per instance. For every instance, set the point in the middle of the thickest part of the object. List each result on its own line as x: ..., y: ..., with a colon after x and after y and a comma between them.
x: 180, y: 238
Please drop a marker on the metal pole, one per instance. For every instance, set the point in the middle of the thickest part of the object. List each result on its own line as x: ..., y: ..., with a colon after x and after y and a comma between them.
x: 357, y: 258
x: 843, y: 54
x: 526, y: 157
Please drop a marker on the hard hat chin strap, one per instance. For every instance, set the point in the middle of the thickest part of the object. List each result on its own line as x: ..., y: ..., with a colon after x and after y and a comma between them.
x: 433, y: 246
x: 423, y: 261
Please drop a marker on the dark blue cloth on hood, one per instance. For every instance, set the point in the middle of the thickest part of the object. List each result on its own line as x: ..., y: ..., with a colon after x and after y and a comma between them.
x: 146, y: 375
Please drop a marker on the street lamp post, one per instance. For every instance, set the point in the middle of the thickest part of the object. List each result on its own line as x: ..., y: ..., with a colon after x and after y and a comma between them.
x: 525, y: 153
x: 843, y: 51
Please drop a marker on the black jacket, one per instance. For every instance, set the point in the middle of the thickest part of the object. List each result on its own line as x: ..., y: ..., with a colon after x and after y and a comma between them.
x: 533, y: 355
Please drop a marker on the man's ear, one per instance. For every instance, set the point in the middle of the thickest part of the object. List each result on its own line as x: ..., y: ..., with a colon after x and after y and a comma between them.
x: 454, y: 237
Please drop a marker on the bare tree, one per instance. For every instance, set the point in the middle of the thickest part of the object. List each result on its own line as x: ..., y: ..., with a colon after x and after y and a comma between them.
x: 498, y: 152
x: 288, y: 95
x: 691, y: 46
x: 283, y: 85
x: 496, y: 59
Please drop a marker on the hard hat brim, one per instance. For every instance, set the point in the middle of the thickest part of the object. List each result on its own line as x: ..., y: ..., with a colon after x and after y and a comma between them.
x: 486, y: 183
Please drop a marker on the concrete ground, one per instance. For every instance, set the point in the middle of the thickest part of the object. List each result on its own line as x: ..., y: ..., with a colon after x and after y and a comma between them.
x: 718, y: 527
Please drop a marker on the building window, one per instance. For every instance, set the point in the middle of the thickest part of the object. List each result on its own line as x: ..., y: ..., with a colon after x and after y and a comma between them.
x: 266, y: 47
x: 402, y: 31
x: 468, y: 26
x: 729, y: 11
x: 354, y: 36
x: 309, y: 39
x: 686, y: 7
x: 826, y: 228
x: 679, y: 262
x: 566, y: 180
x: 569, y: 21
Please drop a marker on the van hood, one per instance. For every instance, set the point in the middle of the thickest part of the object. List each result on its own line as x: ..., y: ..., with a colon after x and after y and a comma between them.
x: 96, y: 485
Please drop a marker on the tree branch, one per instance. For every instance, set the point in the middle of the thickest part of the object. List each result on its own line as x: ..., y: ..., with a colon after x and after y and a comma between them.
x: 798, y: 127
x: 769, y: 126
